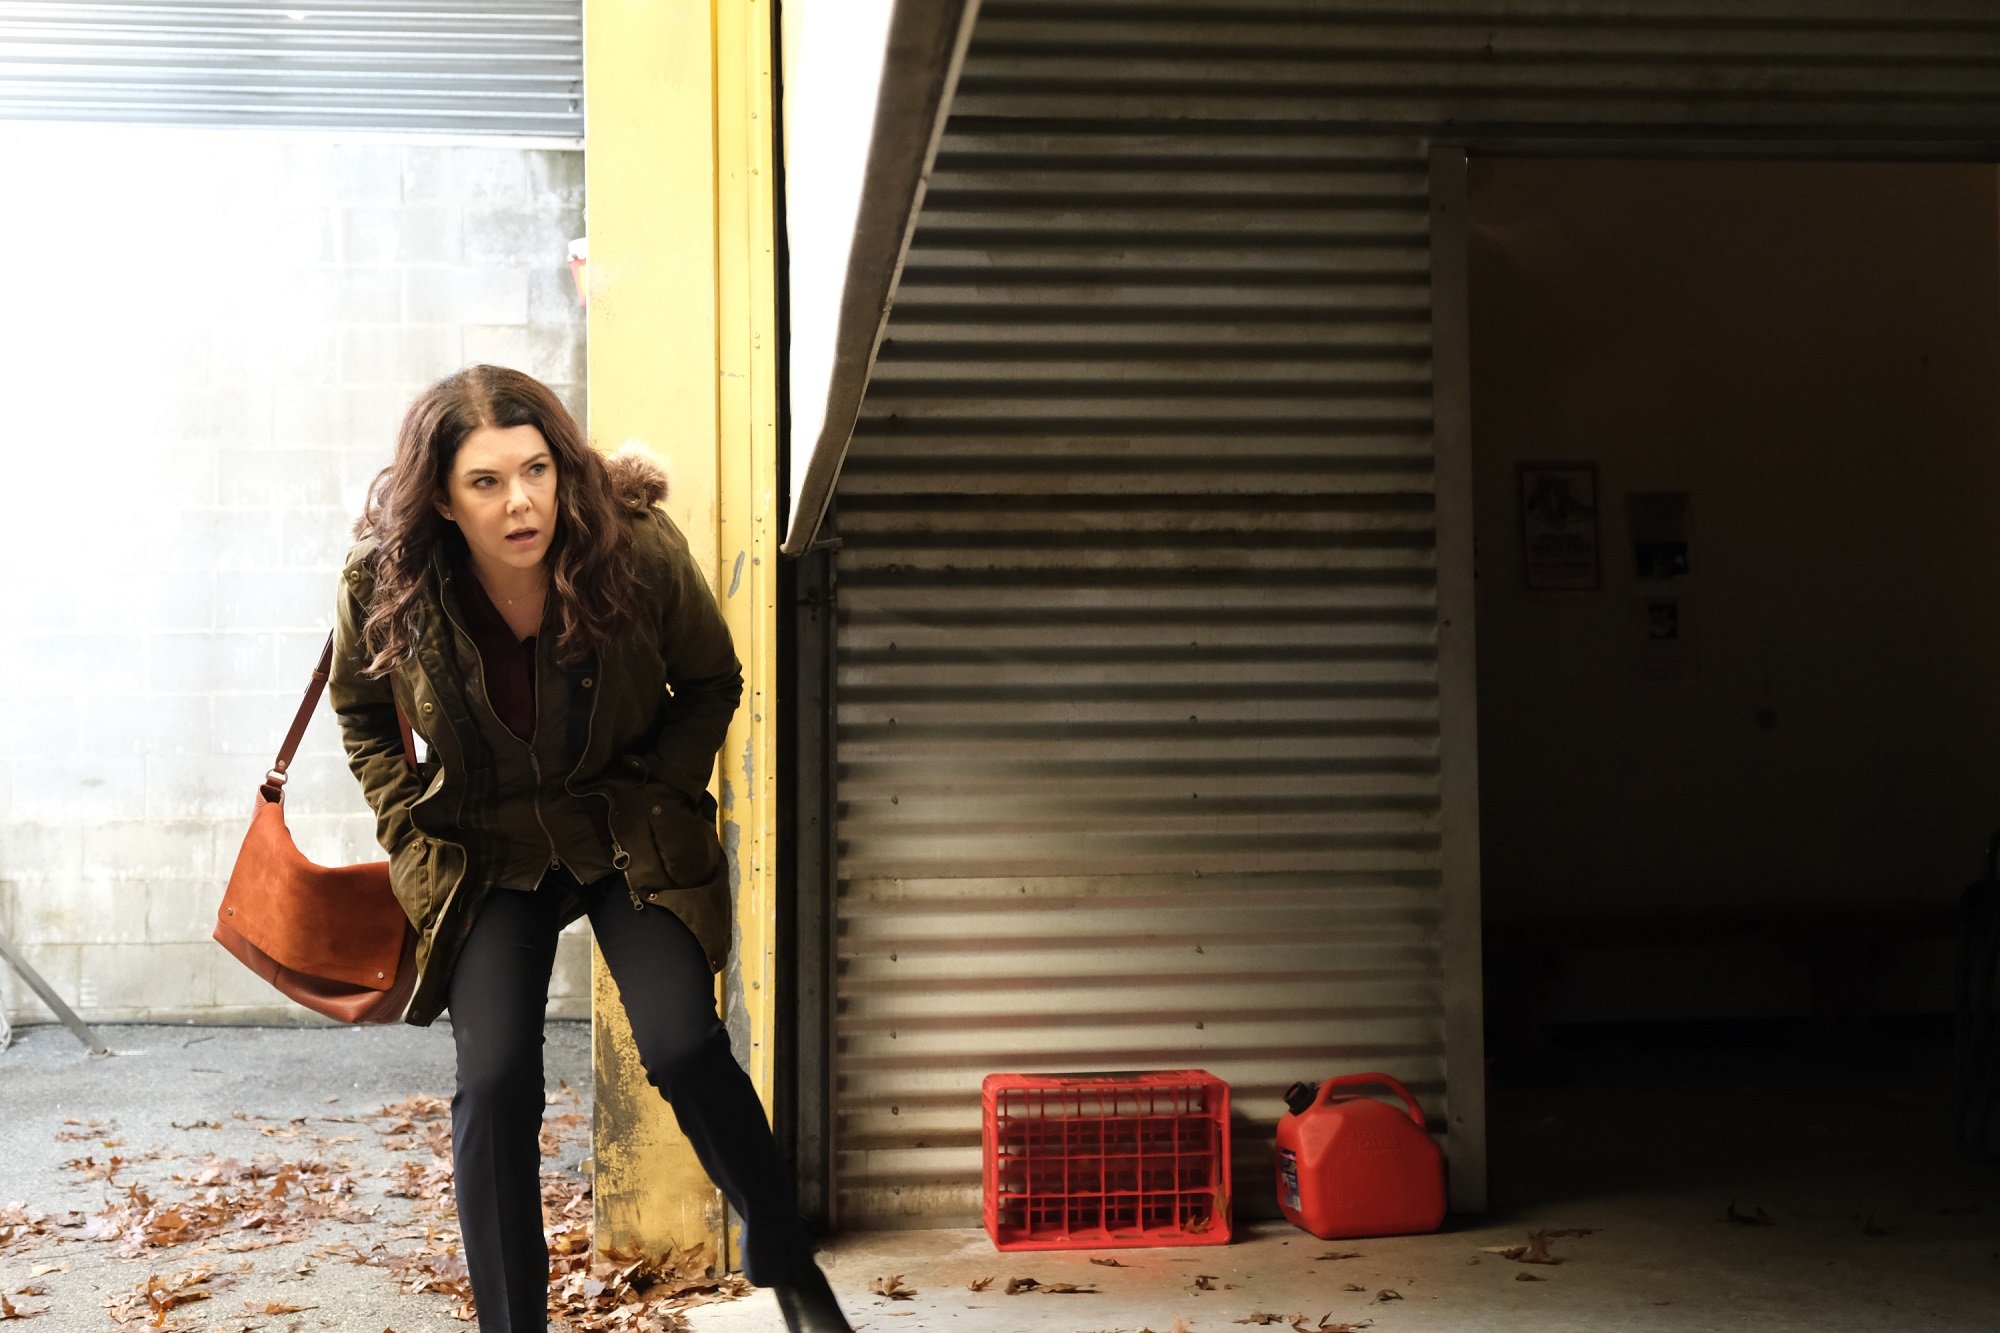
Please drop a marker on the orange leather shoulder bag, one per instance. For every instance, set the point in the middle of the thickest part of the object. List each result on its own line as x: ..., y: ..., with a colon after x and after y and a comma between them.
x: 332, y: 938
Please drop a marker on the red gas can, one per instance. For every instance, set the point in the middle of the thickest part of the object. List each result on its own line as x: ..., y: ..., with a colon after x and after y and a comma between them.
x: 1354, y: 1166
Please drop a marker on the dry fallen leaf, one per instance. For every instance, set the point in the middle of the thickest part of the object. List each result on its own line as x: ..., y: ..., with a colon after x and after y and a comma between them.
x: 979, y: 1284
x: 157, y: 1295
x: 892, y: 1287
x: 1332, y: 1255
x: 1536, y: 1251
x: 555, y: 1127
x: 1017, y: 1285
x: 1528, y: 1277
x: 94, y: 1129
x: 1757, y: 1217
x: 1388, y: 1294
x: 279, y: 1307
x: 1107, y: 1263
x: 91, y: 1169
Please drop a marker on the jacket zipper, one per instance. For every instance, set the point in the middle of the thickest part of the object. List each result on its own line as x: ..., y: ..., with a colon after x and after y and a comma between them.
x: 620, y: 858
x: 534, y: 755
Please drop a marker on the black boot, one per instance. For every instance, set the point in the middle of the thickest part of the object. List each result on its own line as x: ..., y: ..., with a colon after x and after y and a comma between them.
x: 809, y: 1307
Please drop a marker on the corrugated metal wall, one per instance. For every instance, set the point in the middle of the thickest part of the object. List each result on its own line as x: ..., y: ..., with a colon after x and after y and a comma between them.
x: 1853, y: 69
x: 1138, y: 729
x: 447, y: 66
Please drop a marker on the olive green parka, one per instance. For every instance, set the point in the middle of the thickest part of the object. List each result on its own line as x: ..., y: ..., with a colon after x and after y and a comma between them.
x: 648, y: 716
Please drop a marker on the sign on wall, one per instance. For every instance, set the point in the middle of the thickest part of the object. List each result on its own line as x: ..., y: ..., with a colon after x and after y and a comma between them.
x: 1559, y: 526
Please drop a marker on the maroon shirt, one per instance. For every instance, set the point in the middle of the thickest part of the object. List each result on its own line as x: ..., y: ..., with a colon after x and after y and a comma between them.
x: 510, y: 662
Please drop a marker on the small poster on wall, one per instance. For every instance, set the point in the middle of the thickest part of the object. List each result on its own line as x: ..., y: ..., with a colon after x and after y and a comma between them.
x: 1664, y: 638
x: 1559, y: 525
x: 1659, y: 521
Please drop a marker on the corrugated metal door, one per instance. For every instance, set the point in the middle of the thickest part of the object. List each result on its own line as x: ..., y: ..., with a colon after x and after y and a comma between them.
x: 1138, y: 741
x: 449, y: 66
x: 1137, y: 685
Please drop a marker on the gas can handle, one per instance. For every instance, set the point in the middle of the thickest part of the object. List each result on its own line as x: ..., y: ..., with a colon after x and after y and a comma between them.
x: 1332, y: 1085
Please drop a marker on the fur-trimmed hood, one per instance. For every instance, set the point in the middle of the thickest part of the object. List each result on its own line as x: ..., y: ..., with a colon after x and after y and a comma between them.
x: 636, y: 480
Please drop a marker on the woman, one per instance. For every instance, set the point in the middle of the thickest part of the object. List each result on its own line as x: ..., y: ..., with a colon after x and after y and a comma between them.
x: 540, y: 623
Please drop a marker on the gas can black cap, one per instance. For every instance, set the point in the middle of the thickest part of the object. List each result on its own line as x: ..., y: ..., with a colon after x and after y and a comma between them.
x: 1300, y: 1096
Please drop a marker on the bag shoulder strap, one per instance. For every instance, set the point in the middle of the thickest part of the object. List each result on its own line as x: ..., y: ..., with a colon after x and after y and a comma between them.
x: 289, y: 749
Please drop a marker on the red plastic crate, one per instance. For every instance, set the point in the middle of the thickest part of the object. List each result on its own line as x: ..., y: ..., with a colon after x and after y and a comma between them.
x: 1089, y: 1161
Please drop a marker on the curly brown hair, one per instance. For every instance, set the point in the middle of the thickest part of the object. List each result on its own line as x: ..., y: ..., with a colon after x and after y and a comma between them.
x: 591, y: 576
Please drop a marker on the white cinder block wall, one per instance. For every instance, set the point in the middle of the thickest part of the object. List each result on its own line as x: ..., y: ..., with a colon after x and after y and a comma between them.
x: 207, y: 340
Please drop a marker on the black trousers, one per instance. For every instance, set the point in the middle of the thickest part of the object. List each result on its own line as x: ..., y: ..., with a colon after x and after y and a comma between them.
x: 499, y: 993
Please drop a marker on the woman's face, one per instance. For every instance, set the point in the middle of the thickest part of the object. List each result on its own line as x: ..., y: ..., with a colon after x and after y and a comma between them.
x: 502, y: 494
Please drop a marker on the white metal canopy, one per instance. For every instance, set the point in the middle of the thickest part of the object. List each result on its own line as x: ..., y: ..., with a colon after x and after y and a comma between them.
x: 871, y: 84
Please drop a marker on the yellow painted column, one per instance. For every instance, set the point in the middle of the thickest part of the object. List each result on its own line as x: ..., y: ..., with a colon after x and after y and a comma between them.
x: 682, y: 362
x: 649, y: 183
x: 747, y: 534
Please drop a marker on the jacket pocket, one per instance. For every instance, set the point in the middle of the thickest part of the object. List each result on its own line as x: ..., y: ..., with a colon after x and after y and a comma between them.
x: 420, y: 873
x: 684, y: 834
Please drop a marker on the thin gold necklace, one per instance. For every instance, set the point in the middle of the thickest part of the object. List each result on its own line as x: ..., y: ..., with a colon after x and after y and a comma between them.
x: 539, y: 592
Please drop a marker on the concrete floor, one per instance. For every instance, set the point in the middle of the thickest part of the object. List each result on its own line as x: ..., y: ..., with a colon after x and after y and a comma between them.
x: 1875, y: 1225
x: 167, y: 1101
